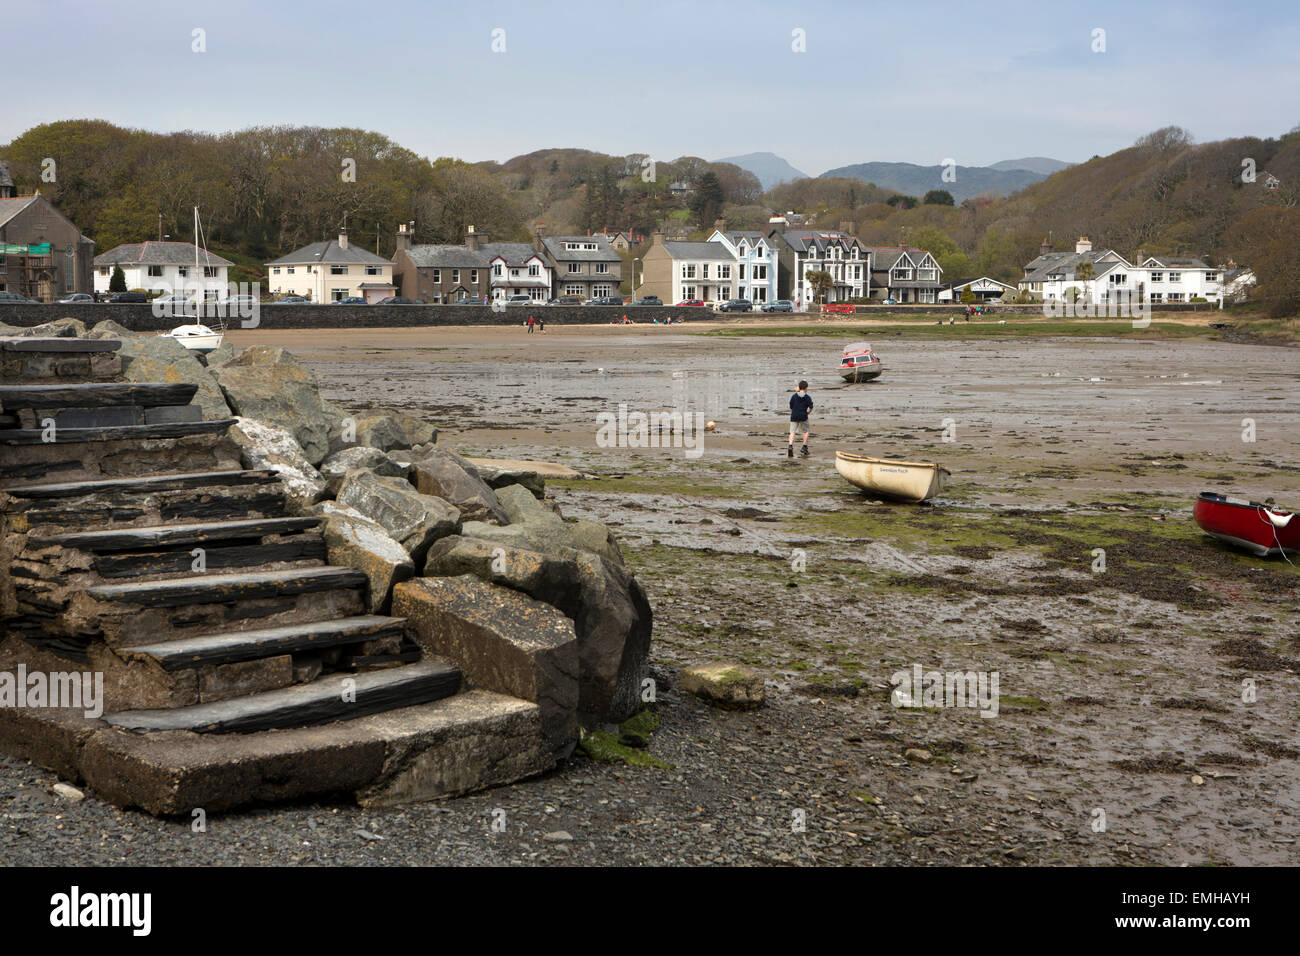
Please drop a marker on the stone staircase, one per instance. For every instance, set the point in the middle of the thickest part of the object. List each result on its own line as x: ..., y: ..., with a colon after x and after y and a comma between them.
x: 238, y: 666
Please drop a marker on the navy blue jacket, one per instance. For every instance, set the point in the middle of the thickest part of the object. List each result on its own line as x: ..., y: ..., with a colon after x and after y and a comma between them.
x: 800, y: 406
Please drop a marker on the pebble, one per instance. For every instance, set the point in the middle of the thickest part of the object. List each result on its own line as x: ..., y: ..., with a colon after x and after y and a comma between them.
x: 918, y: 755
x: 558, y: 836
x: 67, y: 792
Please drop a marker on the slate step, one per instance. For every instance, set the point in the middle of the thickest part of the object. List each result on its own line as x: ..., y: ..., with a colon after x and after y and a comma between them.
x: 145, y: 484
x: 229, y: 588
x: 324, y: 700
x: 67, y: 436
x: 233, y: 646
x: 96, y: 395
x: 31, y: 343
x: 302, y: 550
x: 132, y: 539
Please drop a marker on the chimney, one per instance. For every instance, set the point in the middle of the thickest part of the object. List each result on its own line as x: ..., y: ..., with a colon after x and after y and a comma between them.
x: 720, y: 225
x: 343, y: 238
x: 1045, y: 248
x: 538, y: 233
x: 405, y: 236
x: 471, y: 239
x: 849, y: 228
x: 1083, y: 245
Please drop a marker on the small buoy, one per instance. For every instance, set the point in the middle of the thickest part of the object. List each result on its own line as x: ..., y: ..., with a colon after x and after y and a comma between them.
x: 710, y: 426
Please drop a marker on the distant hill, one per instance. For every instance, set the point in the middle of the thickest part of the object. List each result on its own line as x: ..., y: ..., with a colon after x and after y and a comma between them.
x: 770, y: 168
x: 1035, y: 164
x: 916, y: 180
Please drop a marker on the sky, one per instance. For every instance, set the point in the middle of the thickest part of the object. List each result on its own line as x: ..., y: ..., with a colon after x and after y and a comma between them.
x: 902, y: 81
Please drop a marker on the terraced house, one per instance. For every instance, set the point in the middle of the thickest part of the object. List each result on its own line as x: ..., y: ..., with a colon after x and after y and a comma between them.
x: 677, y: 271
x: 165, y: 267
x: 330, y: 271
x: 583, y: 265
x: 904, y: 274
x: 756, y: 262
x: 438, y: 273
x: 801, y: 251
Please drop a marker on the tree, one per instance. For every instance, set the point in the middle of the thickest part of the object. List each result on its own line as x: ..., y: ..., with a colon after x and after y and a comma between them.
x: 1084, y: 273
x: 820, y: 280
x: 903, y: 202
x: 117, y: 282
x: 707, y: 202
x: 967, y: 296
x: 1265, y: 240
x: 938, y: 197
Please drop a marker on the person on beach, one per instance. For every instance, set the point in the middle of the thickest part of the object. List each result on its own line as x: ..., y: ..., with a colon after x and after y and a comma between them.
x: 801, y: 404
x: 531, y: 323
x: 541, y: 324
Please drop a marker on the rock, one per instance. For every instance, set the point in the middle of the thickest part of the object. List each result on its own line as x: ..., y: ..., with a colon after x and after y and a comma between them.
x: 726, y: 685
x: 547, y: 531
x: 559, y: 836
x: 354, y: 541
x: 382, y: 431
x: 542, y: 576
x: 265, y: 446
x: 221, y: 355
x: 415, y: 520
x: 502, y: 641
x: 499, y: 477
x: 335, y: 468
x: 917, y: 755
x: 160, y: 358
x: 418, y: 432
x: 67, y: 792
x: 66, y: 327
x: 265, y: 383
x: 453, y: 479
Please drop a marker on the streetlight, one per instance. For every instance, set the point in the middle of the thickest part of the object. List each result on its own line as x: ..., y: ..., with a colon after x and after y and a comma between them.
x: 635, y: 260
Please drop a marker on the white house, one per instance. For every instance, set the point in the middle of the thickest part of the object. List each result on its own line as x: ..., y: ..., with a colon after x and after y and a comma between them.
x: 516, y: 268
x: 330, y: 271
x: 839, y: 253
x: 1099, y: 276
x: 1171, y: 279
x: 756, y: 263
x: 167, y: 267
x: 983, y: 289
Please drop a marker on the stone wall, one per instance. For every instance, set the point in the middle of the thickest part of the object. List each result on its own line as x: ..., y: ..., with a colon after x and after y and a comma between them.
x: 140, y: 318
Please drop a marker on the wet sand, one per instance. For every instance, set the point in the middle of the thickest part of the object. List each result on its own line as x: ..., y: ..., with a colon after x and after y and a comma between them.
x: 1122, y: 688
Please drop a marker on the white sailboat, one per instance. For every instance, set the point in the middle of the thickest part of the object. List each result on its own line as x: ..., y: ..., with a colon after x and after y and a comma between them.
x: 198, y: 337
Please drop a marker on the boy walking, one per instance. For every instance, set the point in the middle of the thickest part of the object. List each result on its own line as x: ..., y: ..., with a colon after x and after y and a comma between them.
x: 801, y: 404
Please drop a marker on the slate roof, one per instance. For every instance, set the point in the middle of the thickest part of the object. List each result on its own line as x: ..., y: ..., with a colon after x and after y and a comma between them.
x: 697, y: 250
x: 447, y: 257
x: 1177, y: 262
x: 5, y: 178
x: 1067, y: 263
x: 604, y: 252
x: 13, y: 206
x: 516, y: 254
x: 153, y: 253
x: 330, y: 253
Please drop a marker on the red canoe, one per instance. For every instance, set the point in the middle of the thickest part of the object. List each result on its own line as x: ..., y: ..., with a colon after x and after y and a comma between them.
x: 1259, y: 529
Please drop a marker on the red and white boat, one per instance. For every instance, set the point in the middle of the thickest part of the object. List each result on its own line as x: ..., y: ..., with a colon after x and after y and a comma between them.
x: 1260, y: 529
x: 859, y: 363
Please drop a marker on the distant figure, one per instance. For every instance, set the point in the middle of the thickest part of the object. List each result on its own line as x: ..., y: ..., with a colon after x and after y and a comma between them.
x: 541, y: 324
x: 801, y: 404
x: 531, y: 323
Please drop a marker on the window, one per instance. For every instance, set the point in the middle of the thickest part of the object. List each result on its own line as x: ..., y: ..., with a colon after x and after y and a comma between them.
x: 724, y: 271
x: 741, y: 274
x: 1157, y: 298
x: 455, y: 275
x: 1175, y: 297
x: 926, y: 274
x: 437, y: 276
x: 374, y: 271
x: 182, y: 271
x: 600, y: 291
x: 155, y: 272
x: 473, y: 276
x: 688, y: 292
x: 575, y: 267
x: 496, y: 269
x: 589, y: 246
x: 724, y: 293
x: 573, y: 288
x: 688, y: 272
x: 571, y: 245
x: 514, y: 273
x: 336, y: 270
x: 900, y: 274
x: 534, y: 270
x: 925, y: 295
x: 1118, y: 278
x: 602, y: 268
x: 105, y: 270
x: 742, y: 253
x: 1211, y: 277
x: 1157, y: 277
x: 289, y: 270
x: 760, y: 272
x: 857, y: 272
x: 209, y: 272
x: 1175, y: 277
x: 338, y: 295
x: 704, y: 271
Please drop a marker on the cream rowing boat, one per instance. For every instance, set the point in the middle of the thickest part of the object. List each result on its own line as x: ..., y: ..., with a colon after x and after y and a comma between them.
x: 903, y: 480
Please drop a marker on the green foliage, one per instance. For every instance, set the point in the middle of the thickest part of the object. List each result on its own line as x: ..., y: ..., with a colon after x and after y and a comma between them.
x: 706, y: 202
x: 938, y: 197
x: 821, y: 282
x: 117, y: 281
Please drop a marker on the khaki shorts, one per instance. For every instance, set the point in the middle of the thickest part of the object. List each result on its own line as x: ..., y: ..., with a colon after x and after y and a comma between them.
x: 797, y: 426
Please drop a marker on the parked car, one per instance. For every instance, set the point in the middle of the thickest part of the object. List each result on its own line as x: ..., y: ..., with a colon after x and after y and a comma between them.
x: 780, y: 305
x: 605, y: 300
x: 736, y: 305
x: 692, y: 302
x: 350, y: 300
x: 649, y: 300
x: 469, y: 302
x: 76, y: 298
x: 174, y: 304
x: 399, y: 300
x: 519, y: 300
x: 238, y: 302
x: 15, y: 298
x: 129, y: 297
x: 566, y: 300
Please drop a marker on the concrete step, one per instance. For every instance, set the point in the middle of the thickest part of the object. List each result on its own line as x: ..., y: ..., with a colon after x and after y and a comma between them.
x: 233, y: 646
x: 330, y: 698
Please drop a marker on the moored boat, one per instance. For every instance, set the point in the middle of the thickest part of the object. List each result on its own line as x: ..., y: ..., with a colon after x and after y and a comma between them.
x: 1263, y: 530
x: 913, y: 481
x: 197, y: 338
x: 859, y: 363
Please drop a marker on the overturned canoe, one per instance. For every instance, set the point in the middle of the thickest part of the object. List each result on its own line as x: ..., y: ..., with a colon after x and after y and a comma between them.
x: 903, y: 480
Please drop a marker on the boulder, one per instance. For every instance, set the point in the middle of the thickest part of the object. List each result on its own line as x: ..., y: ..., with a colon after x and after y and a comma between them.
x: 265, y: 383
x: 264, y: 446
x: 537, y: 526
x: 415, y: 520
x: 498, y: 476
x: 66, y: 327
x: 160, y: 358
x: 546, y: 577
x: 354, y: 541
x: 382, y: 431
x: 221, y: 355
x: 726, y: 685
x: 335, y: 468
x: 418, y: 432
x: 453, y: 479
x: 502, y: 641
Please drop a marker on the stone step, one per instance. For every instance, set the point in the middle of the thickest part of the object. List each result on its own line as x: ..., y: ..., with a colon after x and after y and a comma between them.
x: 324, y: 700
x: 96, y: 395
x: 234, y: 646
x: 59, y: 360
x: 238, y: 502
x: 70, y: 436
x: 228, y: 588
x: 32, y: 343
x: 143, y: 485
x: 301, y: 549
x: 135, y: 539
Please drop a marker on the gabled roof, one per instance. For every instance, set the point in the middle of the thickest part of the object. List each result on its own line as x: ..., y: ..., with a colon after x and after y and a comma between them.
x: 807, y: 240
x: 604, y: 252
x: 13, y: 206
x: 153, y: 253
x: 516, y: 254
x: 1175, y: 262
x: 1067, y: 264
x: 697, y: 250
x: 5, y: 178
x: 330, y: 253
x: 447, y: 257
x: 962, y: 283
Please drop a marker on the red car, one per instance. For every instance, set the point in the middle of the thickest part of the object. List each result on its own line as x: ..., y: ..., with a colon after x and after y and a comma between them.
x: 698, y: 302
x: 844, y: 308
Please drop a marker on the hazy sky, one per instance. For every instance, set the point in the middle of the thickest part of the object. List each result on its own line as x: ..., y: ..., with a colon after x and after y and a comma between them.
x: 909, y: 81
